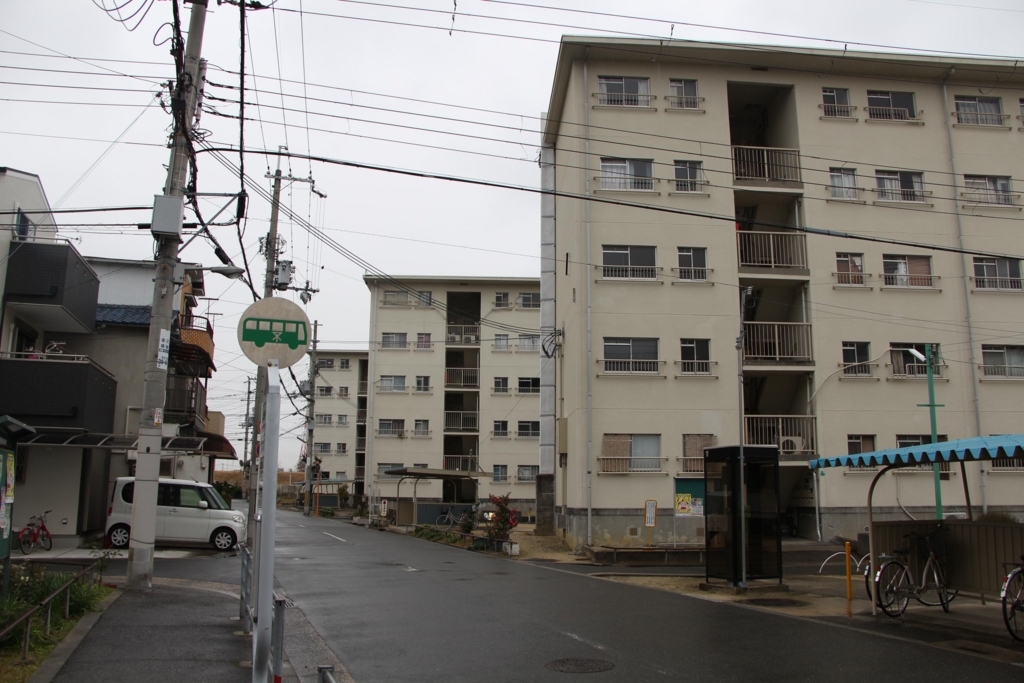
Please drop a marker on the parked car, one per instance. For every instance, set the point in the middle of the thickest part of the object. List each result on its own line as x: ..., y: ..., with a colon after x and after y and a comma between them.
x: 186, y: 512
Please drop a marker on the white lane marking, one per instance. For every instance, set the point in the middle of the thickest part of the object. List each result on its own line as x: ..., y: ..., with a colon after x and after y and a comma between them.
x: 410, y: 569
x: 335, y: 537
x: 583, y: 640
x: 303, y: 526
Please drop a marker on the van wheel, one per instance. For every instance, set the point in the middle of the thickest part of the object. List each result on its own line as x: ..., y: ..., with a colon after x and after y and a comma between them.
x: 223, y: 539
x: 119, y: 535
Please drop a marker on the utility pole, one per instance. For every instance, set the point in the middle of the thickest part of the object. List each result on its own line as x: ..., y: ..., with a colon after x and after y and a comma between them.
x: 147, y: 466
x: 929, y: 350
x: 247, y: 423
x: 310, y: 420
x: 741, y: 496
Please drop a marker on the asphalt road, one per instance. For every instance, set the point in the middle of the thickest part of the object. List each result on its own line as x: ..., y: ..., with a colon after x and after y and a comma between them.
x: 395, y: 608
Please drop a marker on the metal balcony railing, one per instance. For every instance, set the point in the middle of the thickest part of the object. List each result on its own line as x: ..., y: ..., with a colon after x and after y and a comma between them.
x: 690, y: 464
x: 1004, y: 371
x: 627, y: 464
x: 838, y: 111
x: 461, y: 421
x: 693, y: 274
x: 848, y: 279
x: 405, y: 299
x: 623, y: 99
x: 908, y: 280
x: 463, y: 334
x: 902, y: 194
x: 527, y: 390
x: 626, y: 183
x: 772, y: 249
x: 629, y: 272
x: 362, y: 387
x: 186, y: 399
x: 632, y: 367
x: 915, y: 370
x: 689, y: 184
x: 461, y: 463
x: 1008, y: 284
x: 694, y: 367
x: 859, y: 369
x: 360, y: 443
x: 360, y: 473
x: 793, y: 434
x: 361, y: 416
x: 391, y: 431
x: 197, y: 331
x: 500, y: 390
x: 766, y: 163
x: 977, y: 118
x: 890, y: 114
x: 683, y: 101
x: 777, y: 342
x: 991, y: 197
x: 528, y: 433
x: 462, y: 377
x: 526, y: 477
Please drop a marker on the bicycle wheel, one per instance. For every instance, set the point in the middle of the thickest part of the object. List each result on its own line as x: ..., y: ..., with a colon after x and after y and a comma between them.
x: 894, y: 588
x: 45, y: 540
x: 444, y: 522
x: 935, y: 592
x: 1013, y: 604
x: 25, y: 539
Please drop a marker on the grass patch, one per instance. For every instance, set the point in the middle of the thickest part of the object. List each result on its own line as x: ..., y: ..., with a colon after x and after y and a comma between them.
x: 437, y: 536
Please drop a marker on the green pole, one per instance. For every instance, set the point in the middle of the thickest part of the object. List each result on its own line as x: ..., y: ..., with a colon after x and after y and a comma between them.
x: 935, y: 428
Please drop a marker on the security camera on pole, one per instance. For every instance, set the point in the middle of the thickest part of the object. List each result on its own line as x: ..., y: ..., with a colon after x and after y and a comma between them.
x: 273, y: 333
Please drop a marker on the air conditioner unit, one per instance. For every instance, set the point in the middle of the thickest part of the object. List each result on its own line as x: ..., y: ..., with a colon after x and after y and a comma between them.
x: 453, y: 339
x: 470, y: 338
x: 792, y: 444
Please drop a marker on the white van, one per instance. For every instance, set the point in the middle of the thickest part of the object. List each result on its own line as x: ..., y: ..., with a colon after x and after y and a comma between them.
x: 186, y: 512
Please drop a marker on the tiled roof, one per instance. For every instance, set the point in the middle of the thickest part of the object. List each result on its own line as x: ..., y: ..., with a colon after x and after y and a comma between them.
x: 115, y: 314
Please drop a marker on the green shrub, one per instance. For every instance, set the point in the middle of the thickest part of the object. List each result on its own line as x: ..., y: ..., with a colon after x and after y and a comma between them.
x: 467, y: 525
x: 1000, y: 517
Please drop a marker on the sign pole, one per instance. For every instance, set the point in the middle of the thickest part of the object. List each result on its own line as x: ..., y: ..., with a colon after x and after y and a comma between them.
x: 265, y: 597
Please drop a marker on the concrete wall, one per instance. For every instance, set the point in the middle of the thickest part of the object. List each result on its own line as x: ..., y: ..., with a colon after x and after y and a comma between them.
x: 52, y: 482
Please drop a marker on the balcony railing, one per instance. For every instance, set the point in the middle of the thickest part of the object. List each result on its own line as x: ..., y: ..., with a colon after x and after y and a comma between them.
x: 528, y: 345
x: 461, y: 421
x: 463, y: 334
x: 683, y: 101
x: 902, y: 194
x: 692, y: 274
x: 694, y: 367
x: 859, y: 370
x: 500, y: 390
x: 361, y: 417
x: 632, y: 367
x: 526, y: 477
x: 837, y: 111
x: 1004, y: 371
x: 695, y: 185
x: 766, y: 163
x: 915, y: 370
x: 691, y: 465
x: 391, y: 431
x: 360, y: 443
x: 197, y: 331
x: 360, y: 473
x: 362, y: 387
x: 391, y: 388
x: 772, y: 249
x: 626, y: 183
x: 627, y: 465
x: 393, y: 344
x: 499, y: 478
x: 405, y: 299
x: 186, y: 400
x: 977, y: 118
x: 462, y: 377
x: 848, y: 279
x: 1006, y: 284
x: 890, y: 114
x: 528, y: 433
x: 623, y: 99
x: 793, y: 434
x: 461, y: 463
x: 527, y: 390
x: 991, y: 198
x: 629, y: 272
x: 908, y: 280
x: 777, y: 342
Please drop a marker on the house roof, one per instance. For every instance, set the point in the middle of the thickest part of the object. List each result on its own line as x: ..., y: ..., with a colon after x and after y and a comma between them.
x: 117, y: 314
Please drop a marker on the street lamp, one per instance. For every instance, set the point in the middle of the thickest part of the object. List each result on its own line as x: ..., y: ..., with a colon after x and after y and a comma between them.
x: 230, y: 272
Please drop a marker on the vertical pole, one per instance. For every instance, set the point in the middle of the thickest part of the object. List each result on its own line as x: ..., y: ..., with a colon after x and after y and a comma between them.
x: 265, y: 587
x: 147, y: 467
x: 310, y: 421
x: 928, y: 350
x: 248, y: 417
x: 849, y: 579
x: 742, y: 496
x: 278, y: 637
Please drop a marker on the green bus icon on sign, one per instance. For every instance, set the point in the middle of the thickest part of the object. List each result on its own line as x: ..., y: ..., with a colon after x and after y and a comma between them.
x: 262, y: 331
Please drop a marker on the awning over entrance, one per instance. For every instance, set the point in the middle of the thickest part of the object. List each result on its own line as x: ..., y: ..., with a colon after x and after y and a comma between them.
x: 962, y: 450
x: 188, y: 444
x: 217, y: 446
x: 424, y: 473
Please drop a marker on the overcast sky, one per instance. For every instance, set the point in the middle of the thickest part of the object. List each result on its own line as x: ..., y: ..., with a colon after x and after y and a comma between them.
x: 400, y: 225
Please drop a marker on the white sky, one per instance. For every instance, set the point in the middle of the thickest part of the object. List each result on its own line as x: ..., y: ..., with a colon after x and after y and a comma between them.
x: 380, y: 212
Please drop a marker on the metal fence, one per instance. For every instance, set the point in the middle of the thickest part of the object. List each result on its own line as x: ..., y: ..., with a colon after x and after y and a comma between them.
x: 47, y: 603
x: 249, y: 615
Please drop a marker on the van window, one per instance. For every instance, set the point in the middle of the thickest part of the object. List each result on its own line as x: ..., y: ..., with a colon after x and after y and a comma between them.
x: 211, y: 496
x: 128, y: 492
x: 164, y: 496
x: 188, y: 496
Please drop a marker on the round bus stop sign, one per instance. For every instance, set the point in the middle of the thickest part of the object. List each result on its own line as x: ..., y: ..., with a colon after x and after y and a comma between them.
x: 274, y: 328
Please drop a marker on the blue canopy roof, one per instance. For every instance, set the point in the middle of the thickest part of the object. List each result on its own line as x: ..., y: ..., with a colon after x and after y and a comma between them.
x: 977, y: 448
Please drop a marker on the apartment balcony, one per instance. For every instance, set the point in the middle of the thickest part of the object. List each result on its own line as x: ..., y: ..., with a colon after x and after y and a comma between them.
x: 777, y: 343
x: 891, y: 114
x: 360, y: 473
x: 363, y: 386
x: 793, y: 434
x: 461, y: 421
x: 766, y: 164
x: 649, y: 273
x: 464, y: 378
x: 192, y: 345
x: 463, y: 335
x: 630, y: 465
x: 360, y: 443
x: 461, y: 463
x: 57, y: 390
x: 684, y: 102
x: 772, y: 249
x: 632, y: 367
x: 361, y: 416
x: 185, y: 402
x: 51, y: 286
x: 625, y: 183
x: 623, y: 99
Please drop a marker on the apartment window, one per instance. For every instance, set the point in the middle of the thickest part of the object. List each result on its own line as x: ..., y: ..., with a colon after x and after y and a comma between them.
x: 624, y: 453
x: 693, y: 263
x: 913, y: 440
x: 891, y: 106
x: 392, y: 383
x: 391, y: 427
x: 850, y: 268
x: 528, y: 429
x: 629, y: 262
x: 501, y: 385
x: 501, y: 342
x: 631, y: 356
x: 997, y: 273
x: 501, y: 300
x: 342, y: 448
x: 860, y: 443
x: 692, y: 460
x: 619, y: 91
x: 627, y: 174
x: 900, y: 270
x: 342, y: 392
x: 529, y: 342
x: 1002, y: 361
x: 978, y: 111
x: 529, y: 299
x: 500, y: 473
x: 422, y: 384
x: 393, y: 340
x: 988, y: 190
x: 689, y: 176
x: 843, y: 183
x: 324, y: 392
x: 836, y: 102
x: 906, y: 364
x: 501, y: 427
x: 423, y: 340
x: 323, y: 475
x: 321, y: 448
x: 325, y: 363
x: 384, y: 467
x: 421, y: 428
x: 684, y: 94
x: 343, y: 420
x: 855, y: 358
x: 527, y: 473
x: 343, y: 363
x: 424, y: 299
x: 529, y: 385
x: 695, y: 356
x: 323, y: 419
x: 899, y: 186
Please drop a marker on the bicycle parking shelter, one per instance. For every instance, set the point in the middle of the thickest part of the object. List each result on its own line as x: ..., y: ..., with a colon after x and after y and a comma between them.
x: 979, y: 569
x: 419, y: 473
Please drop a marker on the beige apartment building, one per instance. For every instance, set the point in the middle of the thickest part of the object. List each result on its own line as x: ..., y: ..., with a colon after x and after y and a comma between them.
x: 738, y: 151
x: 454, y: 385
x: 339, y: 418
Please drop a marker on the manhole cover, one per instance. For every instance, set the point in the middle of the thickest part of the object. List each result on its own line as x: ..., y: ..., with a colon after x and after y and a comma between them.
x: 775, y: 602
x: 579, y: 666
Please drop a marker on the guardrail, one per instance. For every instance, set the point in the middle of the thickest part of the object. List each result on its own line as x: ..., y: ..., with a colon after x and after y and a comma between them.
x: 245, y: 612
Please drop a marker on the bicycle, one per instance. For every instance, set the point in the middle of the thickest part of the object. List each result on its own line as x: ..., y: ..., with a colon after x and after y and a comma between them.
x: 35, y: 533
x: 1012, y: 595
x: 447, y: 520
x: 896, y: 583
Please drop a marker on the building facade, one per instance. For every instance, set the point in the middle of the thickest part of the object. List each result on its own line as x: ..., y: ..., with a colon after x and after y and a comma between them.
x: 738, y: 154
x: 454, y: 385
x: 339, y: 432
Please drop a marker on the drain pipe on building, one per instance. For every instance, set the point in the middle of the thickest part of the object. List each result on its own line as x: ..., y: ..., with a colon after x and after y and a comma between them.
x: 590, y: 328
x: 967, y: 300
x: 546, y: 477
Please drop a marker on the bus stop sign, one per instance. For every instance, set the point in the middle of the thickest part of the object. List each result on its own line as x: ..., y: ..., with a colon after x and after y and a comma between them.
x: 274, y: 328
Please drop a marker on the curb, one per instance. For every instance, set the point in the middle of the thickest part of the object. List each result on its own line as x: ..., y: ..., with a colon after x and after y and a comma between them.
x: 52, y: 665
